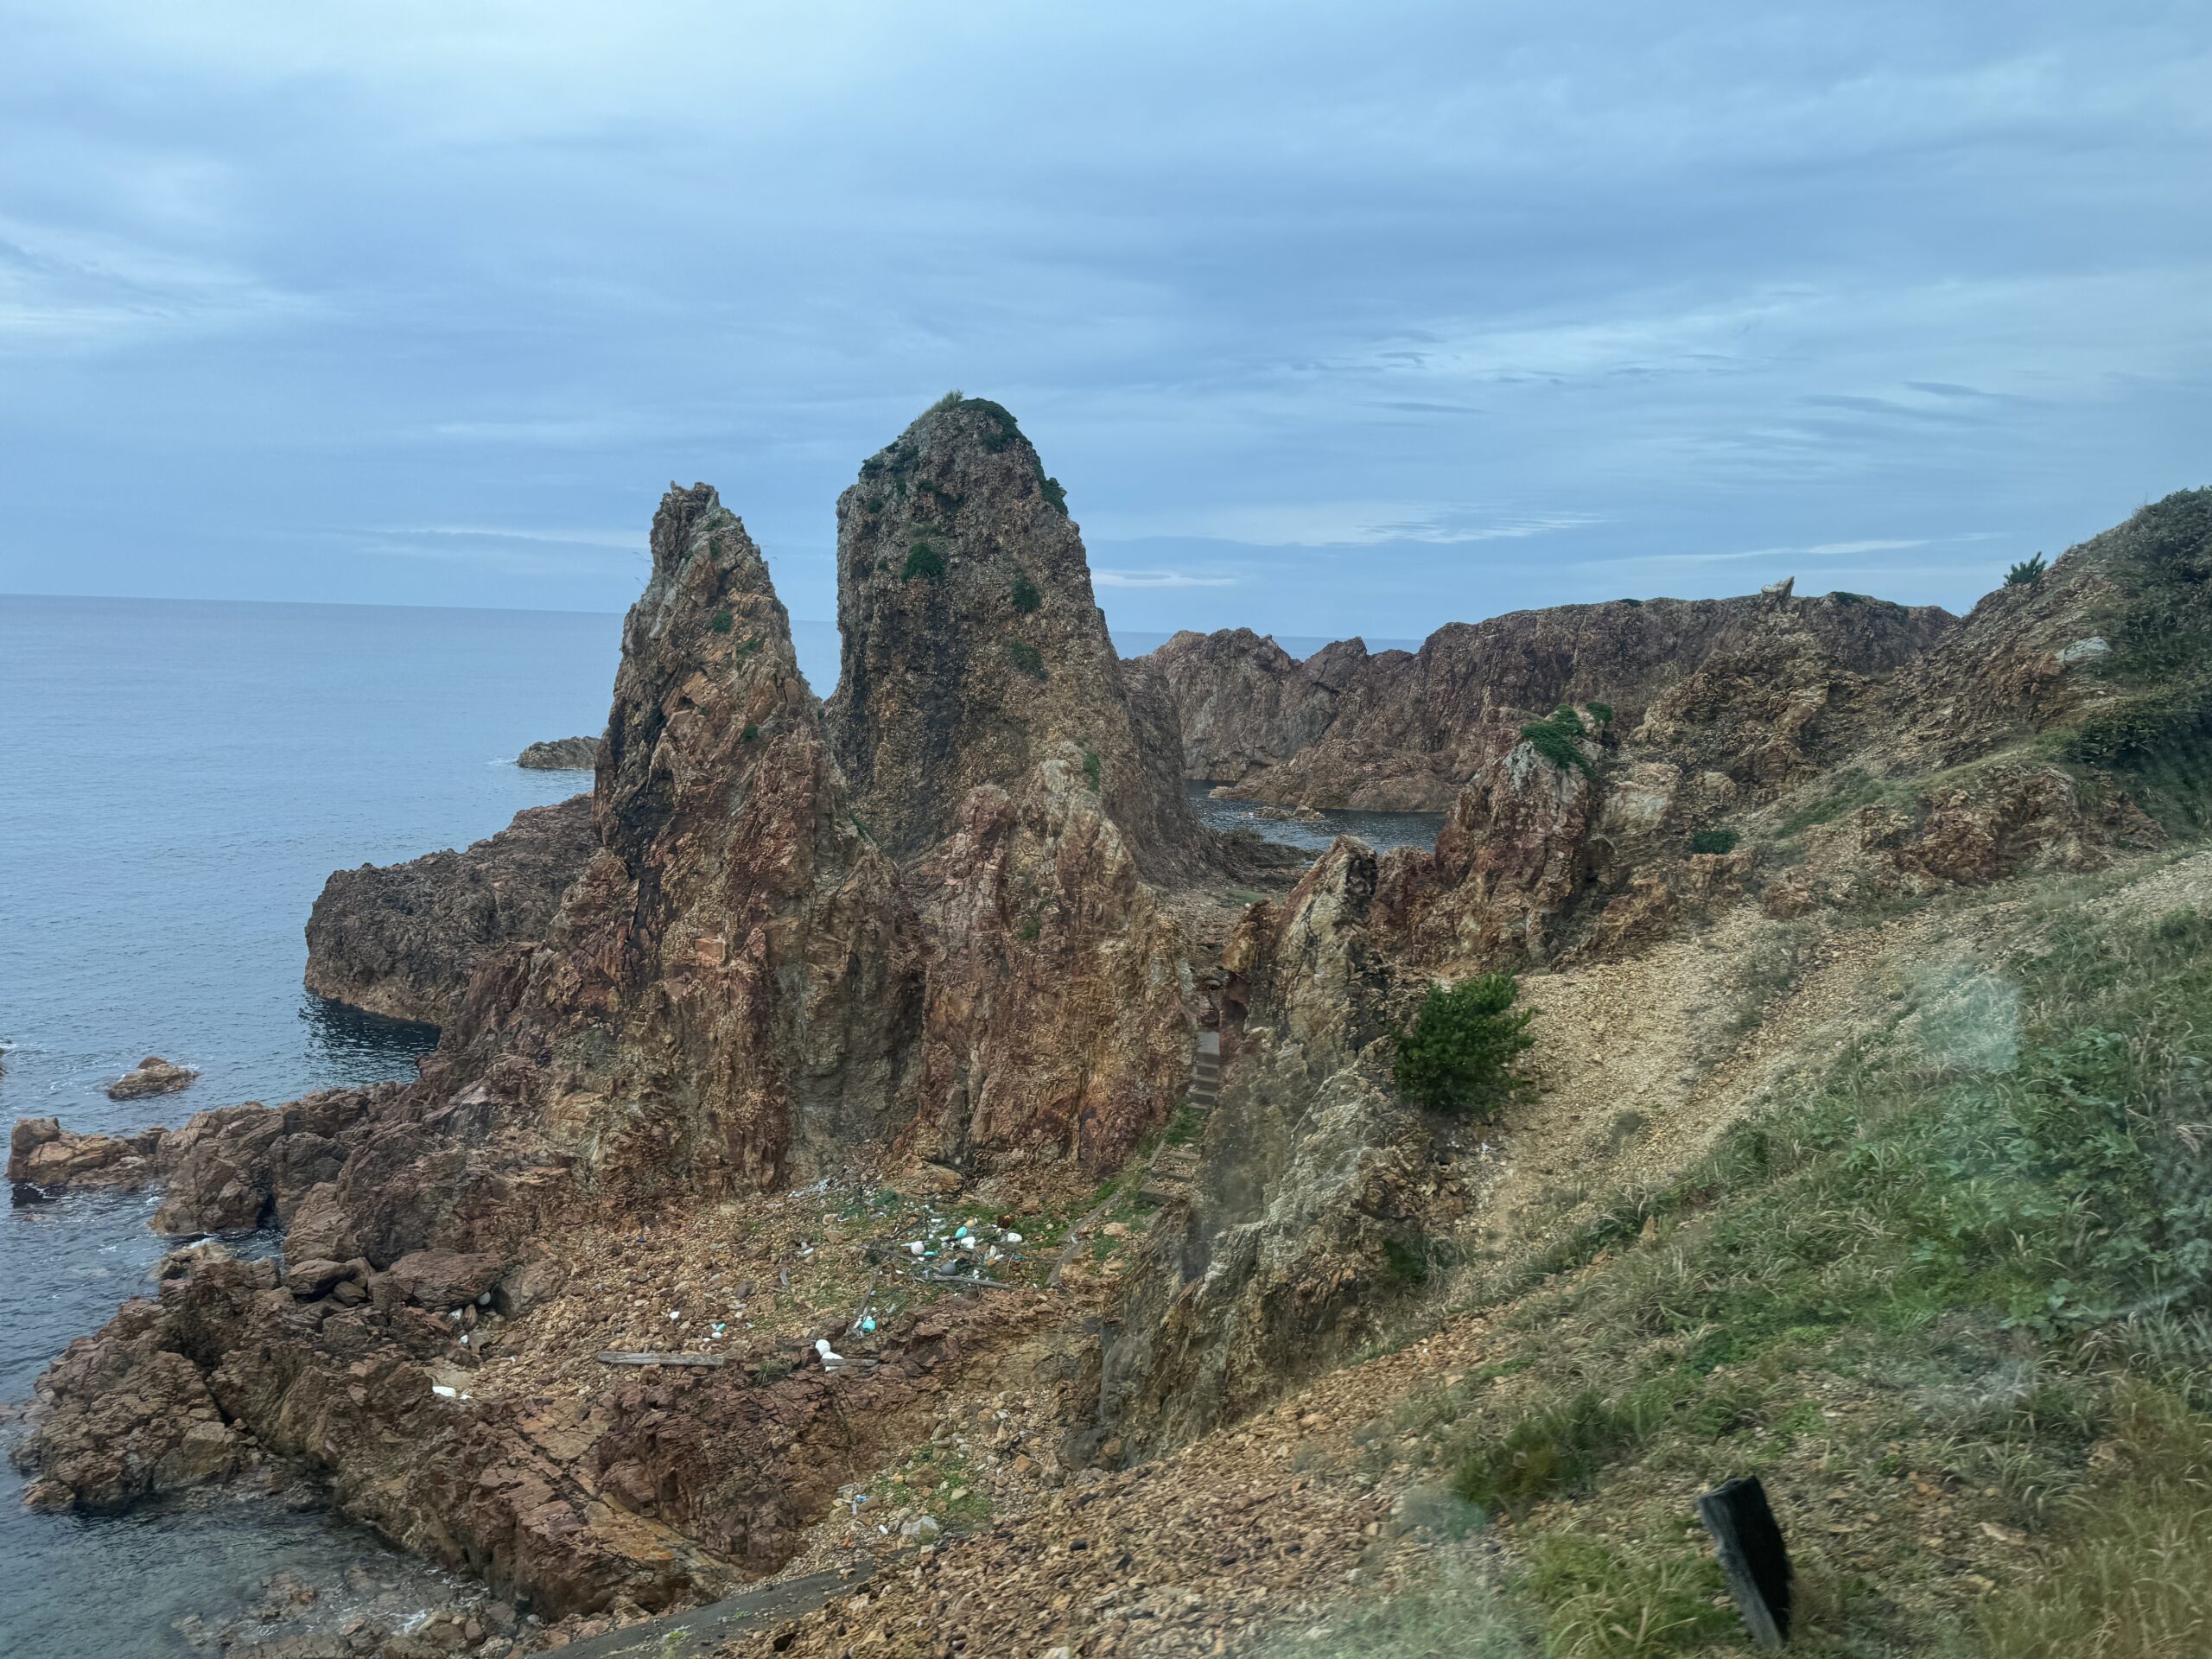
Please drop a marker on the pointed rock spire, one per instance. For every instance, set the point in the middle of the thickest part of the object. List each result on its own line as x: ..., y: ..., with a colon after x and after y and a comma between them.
x: 974, y: 648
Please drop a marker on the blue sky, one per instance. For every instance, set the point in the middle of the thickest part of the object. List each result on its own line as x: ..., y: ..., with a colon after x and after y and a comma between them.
x: 1331, y: 319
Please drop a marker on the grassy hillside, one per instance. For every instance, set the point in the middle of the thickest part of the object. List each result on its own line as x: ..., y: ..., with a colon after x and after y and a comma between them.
x: 1950, y: 1304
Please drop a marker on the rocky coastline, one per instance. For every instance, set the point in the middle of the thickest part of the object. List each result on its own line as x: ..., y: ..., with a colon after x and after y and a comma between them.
x: 866, y: 1031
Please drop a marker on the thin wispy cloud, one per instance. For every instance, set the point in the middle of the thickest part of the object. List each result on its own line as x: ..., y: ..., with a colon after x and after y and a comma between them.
x: 1111, y: 578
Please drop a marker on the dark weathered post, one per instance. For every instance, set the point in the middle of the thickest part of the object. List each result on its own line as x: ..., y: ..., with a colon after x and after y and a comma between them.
x: 1752, y: 1555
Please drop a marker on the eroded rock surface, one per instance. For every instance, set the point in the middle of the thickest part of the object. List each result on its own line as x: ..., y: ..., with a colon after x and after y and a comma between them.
x: 402, y: 940
x: 974, y: 647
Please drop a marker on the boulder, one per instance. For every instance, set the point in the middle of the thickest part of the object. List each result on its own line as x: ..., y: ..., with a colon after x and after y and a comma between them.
x: 440, y: 1280
x: 151, y: 1076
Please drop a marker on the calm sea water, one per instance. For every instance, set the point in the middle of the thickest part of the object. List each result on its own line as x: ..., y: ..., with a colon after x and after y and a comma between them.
x: 178, y: 780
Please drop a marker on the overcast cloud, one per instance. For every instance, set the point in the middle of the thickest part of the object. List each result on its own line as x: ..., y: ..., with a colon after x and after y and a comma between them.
x: 1331, y: 319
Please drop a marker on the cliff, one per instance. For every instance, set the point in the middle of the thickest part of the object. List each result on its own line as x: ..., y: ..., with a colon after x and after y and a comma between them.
x: 854, y: 1068
x: 402, y: 940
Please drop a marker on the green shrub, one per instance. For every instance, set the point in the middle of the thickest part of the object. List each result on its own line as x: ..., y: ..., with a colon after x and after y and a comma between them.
x: 1554, y: 738
x: 923, y: 559
x: 1408, y: 1261
x: 722, y: 622
x: 1458, y: 1054
x: 2026, y: 573
x: 1025, y: 597
x: 1002, y: 428
x: 1055, y: 497
x: 1091, y: 770
x: 750, y: 734
x: 1713, y: 841
x: 1602, y: 712
x: 1026, y: 658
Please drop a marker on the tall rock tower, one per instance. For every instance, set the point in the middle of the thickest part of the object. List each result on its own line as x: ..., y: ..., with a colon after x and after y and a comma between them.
x: 974, y: 649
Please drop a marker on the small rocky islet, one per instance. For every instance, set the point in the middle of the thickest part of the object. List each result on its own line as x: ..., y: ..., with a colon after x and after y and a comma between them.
x: 927, y: 1029
x: 560, y: 754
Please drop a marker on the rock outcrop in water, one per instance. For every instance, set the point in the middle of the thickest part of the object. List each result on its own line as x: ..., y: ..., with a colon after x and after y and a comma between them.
x: 402, y: 940
x: 561, y: 754
x: 151, y: 1076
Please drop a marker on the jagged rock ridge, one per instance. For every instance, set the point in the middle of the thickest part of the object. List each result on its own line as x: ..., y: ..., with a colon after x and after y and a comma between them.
x: 1403, y: 731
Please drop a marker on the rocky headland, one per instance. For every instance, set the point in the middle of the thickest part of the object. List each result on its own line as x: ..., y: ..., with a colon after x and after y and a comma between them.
x: 823, y: 1152
x: 402, y: 940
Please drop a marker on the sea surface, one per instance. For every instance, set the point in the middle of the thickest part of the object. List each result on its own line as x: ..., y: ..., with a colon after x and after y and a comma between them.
x: 177, y: 780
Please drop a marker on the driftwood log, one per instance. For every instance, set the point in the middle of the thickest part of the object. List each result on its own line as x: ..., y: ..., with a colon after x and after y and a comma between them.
x: 704, y: 1362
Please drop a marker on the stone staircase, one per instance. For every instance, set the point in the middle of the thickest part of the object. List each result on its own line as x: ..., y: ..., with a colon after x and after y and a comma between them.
x: 1174, y: 1169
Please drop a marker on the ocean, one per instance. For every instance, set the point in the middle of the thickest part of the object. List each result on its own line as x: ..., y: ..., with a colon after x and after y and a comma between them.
x: 179, y: 780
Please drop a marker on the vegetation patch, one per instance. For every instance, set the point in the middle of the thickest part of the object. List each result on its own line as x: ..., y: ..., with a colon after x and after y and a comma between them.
x: 1458, y: 1054
x: 1601, y: 712
x: 1554, y: 740
x: 923, y: 559
x: 722, y: 622
x: 2026, y: 573
x: 1091, y: 770
x: 1025, y: 659
x: 1025, y: 595
x: 1713, y: 841
x: 1408, y: 1260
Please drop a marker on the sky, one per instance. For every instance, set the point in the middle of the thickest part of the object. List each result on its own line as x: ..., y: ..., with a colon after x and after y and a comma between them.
x: 1331, y: 319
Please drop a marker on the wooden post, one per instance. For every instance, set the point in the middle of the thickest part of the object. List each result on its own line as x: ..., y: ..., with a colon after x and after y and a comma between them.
x: 1749, y: 1543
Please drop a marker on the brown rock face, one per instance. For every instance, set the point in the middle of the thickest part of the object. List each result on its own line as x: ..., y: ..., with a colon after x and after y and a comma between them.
x: 1244, y: 703
x: 151, y: 1076
x: 727, y: 993
x: 402, y: 940
x: 1311, y: 1173
x: 974, y: 648
x: 1405, y: 730
x: 1055, y: 1018
x: 240, y: 1168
